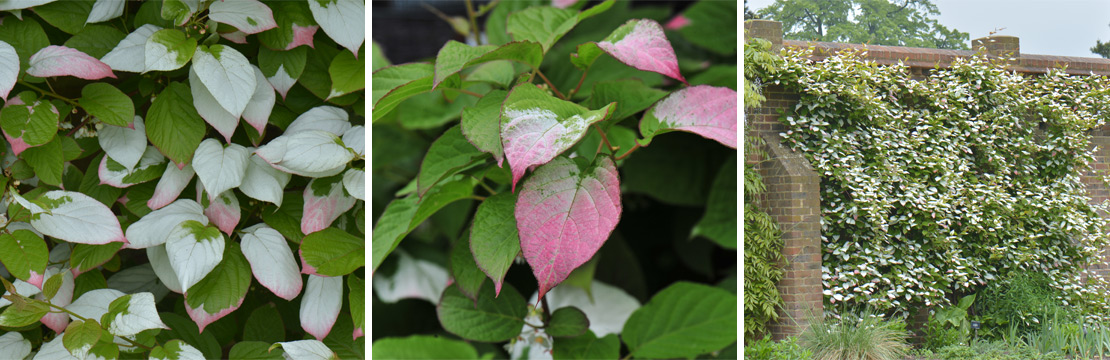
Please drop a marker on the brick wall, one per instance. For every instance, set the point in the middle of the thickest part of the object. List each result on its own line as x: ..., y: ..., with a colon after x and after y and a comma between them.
x: 793, y: 188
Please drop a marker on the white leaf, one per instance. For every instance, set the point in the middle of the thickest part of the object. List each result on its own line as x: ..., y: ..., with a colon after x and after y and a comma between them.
x: 9, y: 68
x: 282, y: 81
x: 124, y: 145
x: 257, y: 112
x: 227, y: 74
x: 14, y: 345
x: 6, y: 5
x: 263, y: 182
x: 236, y: 36
x: 171, y: 184
x: 159, y: 57
x: 272, y: 261
x: 324, y: 201
x: 312, y: 153
x: 191, y: 6
x: 118, y: 177
x: 137, y: 279
x: 209, y: 108
x: 54, y: 350
x: 326, y: 118
x: 320, y: 304
x: 184, y: 351
x: 249, y: 16
x: 141, y: 315
x: 220, y: 168
x: 160, y: 262
x: 26, y: 204
x: 194, y: 251
x: 152, y: 229
x: 104, y: 10
x: 77, y: 218
x: 224, y: 211
x: 343, y: 20
x: 23, y: 288
x: 414, y: 279
x: 354, y: 180
x: 355, y: 139
x: 608, y: 310
x: 94, y: 303
x: 130, y: 54
x: 57, y: 321
x: 307, y: 350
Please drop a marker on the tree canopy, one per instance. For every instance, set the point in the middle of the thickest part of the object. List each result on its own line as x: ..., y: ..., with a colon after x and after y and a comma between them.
x: 879, y: 22
x: 1101, y: 48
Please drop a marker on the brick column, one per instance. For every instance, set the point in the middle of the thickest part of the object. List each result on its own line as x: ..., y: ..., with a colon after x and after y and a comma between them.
x: 793, y: 198
x: 998, y: 45
x: 764, y: 29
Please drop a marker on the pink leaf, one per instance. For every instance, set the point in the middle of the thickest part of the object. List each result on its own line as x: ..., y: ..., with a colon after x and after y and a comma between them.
x: 641, y: 44
x: 302, y: 35
x: 563, y: 4
x: 169, y: 187
x: 704, y: 110
x: 18, y: 144
x: 203, y: 318
x: 357, y: 333
x: 565, y: 214
x: 224, y: 211
x: 237, y: 37
x: 62, y: 61
x: 677, y: 22
x: 324, y: 201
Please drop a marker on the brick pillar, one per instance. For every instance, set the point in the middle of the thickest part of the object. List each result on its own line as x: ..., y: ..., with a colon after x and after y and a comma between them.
x: 764, y: 29
x: 998, y: 45
x: 794, y: 200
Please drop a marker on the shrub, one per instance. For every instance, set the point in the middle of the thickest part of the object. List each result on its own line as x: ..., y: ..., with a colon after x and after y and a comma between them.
x: 767, y: 349
x: 139, y: 213
x: 1023, y: 301
x: 856, y: 335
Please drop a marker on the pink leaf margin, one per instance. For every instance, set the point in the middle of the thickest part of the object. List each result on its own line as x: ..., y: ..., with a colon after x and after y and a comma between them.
x: 705, y: 110
x: 646, y: 48
x: 57, y: 60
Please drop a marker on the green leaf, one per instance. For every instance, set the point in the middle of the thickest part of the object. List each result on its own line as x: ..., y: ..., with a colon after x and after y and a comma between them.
x: 178, y: 11
x: 405, y: 214
x: 377, y: 57
x: 495, y: 23
x: 90, y: 185
x: 173, y: 124
x: 26, y: 36
x: 447, y: 156
x: 631, y: 95
x: 315, y: 77
x: 719, y: 222
x: 51, y: 286
x: 168, y: 49
x: 716, y: 75
x: 466, y: 273
x: 586, y: 55
x: 88, y: 281
x: 543, y: 24
x: 481, y: 124
x: 68, y: 16
x: 150, y: 12
x: 87, y: 257
x: 264, y: 324
x: 96, y: 40
x: 107, y: 103
x: 567, y: 322
x: 184, y: 329
x: 422, y: 347
x: 707, y: 18
x: 287, y: 219
x: 348, y: 74
x: 225, y: 286
x: 497, y: 72
x: 587, y: 346
x: 287, y: 14
x: 138, y: 196
x: 35, y: 123
x: 453, y: 56
x: 292, y: 61
x: 676, y: 170
x: 493, y: 318
x: 356, y: 301
x: 495, y: 240
x: 19, y: 315
x: 23, y: 251
x: 80, y: 336
x: 47, y: 160
x: 254, y: 350
x: 596, y: 10
x: 683, y: 320
x: 391, y: 85
x: 333, y: 252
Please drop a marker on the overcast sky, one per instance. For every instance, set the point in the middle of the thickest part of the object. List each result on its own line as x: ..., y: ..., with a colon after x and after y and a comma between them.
x: 1049, y: 27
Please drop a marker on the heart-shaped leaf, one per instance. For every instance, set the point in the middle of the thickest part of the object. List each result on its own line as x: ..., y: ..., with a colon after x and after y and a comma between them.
x: 173, y: 124
x: 62, y: 61
x: 224, y: 212
x: 221, y: 291
x: 494, y: 240
x: 227, y: 75
x: 194, y: 250
x: 170, y: 185
x: 641, y: 43
x: 9, y: 69
x: 15, y: 345
x: 682, y: 320
x: 327, y: 118
x: 324, y: 201
x: 22, y: 253
x: 704, y: 110
x: 342, y: 20
x: 257, y: 112
x: 220, y: 168
x: 320, y: 305
x: 104, y: 10
x: 150, y: 230
x: 272, y: 261
x: 131, y: 314
x: 77, y: 218
x: 166, y: 50
x: 490, y: 319
x: 312, y: 153
x: 536, y: 127
x: 130, y: 54
x: 564, y: 214
x: 347, y: 73
x: 108, y: 104
x: 249, y: 16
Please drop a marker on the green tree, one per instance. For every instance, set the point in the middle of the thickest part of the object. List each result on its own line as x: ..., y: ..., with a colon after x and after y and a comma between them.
x: 879, y: 22
x: 1101, y: 48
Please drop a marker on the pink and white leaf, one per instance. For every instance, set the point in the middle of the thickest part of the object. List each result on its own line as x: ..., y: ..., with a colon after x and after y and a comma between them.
x: 643, y: 45
x: 94, y: 303
x: 152, y: 229
x: 327, y: 118
x: 321, y: 208
x: 193, y: 254
x: 342, y: 20
x: 281, y: 81
x: 249, y: 16
x: 257, y: 112
x: 160, y: 262
x: 272, y: 261
x: 677, y: 22
x: 77, y: 218
x: 312, y: 153
x: 565, y: 214
x: 302, y: 35
x: 170, y: 185
x: 227, y: 75
x: 236, y: 36
x: 563, y: 4
x: 224, y: 211
x: 141, y: 315
x: 704, y: 110
x: 202, y: 318
x: 323, y: 297
x: 263, y: 182
x: 307, y: 350
x: 57, y: 321
x: 9, y: 69
x: 104, y: 10
x: 124, y: 145
x: 118, y: 178
x: 130, y: 54
x: 220, y: 168
x: 210, y: 109
x: 56, y: 60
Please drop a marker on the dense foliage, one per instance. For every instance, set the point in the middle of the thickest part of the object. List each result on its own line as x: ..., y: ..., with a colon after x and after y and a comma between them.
x: 878, y: 22
x: 141, y: 219
x: 940, y: 185
x: 563, y: 185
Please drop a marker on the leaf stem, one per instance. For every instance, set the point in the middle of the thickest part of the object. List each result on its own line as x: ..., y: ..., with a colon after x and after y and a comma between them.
x: 634, y: 147
x: 546, y: 311
x: 79, y: 126
x: 489, y: 189
x: 580, y: 81
x: 468, y: 92
x: 604, y: 139
x: 473, y: 23
x: 47, y: 92
x: 553, y: 88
